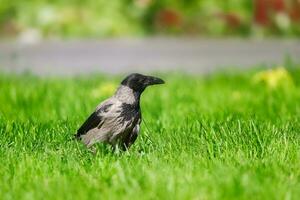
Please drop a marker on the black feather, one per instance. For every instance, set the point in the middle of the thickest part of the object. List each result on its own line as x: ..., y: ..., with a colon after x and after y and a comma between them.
x: 93, y: 121
x: 130, y: 139
x: 129, y: 111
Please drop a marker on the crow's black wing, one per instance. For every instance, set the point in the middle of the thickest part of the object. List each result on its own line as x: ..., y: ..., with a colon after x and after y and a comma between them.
x: 93, y: 121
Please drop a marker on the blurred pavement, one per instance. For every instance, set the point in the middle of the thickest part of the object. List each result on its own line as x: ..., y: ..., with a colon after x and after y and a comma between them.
x: 143, y: 55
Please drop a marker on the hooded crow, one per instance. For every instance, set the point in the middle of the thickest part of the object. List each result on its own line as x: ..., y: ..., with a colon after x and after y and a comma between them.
x: 117, y: 120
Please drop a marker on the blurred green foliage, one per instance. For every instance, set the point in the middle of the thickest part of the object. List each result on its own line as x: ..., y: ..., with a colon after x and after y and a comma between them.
x: 90, y: 18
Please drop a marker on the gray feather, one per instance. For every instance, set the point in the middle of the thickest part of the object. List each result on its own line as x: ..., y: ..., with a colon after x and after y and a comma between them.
x: 113, y: 120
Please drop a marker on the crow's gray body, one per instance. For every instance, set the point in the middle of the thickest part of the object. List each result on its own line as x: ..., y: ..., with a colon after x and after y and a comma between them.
x: 117, y: 120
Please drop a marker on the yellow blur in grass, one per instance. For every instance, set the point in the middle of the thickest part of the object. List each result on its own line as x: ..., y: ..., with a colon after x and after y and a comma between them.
x: 105, y: 89
x: 274, y: 78
x: 236, y: 95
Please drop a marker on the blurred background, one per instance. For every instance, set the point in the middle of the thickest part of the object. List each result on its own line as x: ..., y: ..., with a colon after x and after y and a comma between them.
x: 98, y: 19
x: 72, y: 36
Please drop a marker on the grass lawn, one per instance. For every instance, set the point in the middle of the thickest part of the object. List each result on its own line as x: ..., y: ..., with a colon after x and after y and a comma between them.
x: 222, y: 136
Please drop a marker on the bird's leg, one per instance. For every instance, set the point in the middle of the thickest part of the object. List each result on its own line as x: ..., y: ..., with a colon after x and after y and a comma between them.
x: 93, y: 150
x: 118, y: 148
x: 125, y: 147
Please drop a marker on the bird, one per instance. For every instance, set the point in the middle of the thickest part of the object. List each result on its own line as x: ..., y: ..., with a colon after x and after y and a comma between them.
x: 117, y: 120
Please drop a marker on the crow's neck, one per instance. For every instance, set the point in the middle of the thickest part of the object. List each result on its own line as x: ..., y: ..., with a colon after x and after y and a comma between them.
x: 128, y: 96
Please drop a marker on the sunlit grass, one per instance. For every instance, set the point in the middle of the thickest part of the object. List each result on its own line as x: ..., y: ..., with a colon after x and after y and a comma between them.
x: 222, y: 136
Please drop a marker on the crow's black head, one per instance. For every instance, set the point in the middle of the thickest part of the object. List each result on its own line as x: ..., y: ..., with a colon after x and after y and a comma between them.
x: 139, y: 82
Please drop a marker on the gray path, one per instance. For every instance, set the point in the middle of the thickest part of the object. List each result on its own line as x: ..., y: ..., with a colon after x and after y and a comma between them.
x: 143, y: 55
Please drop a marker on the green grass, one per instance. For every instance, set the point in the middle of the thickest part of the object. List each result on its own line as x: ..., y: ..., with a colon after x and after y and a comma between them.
x: 203, y: 137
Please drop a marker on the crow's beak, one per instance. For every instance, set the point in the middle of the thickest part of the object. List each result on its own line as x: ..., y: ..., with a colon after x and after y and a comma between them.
x: 151, y: 80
